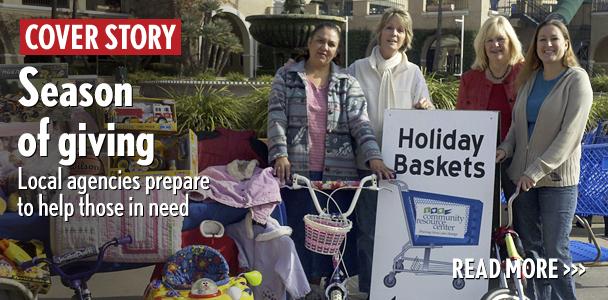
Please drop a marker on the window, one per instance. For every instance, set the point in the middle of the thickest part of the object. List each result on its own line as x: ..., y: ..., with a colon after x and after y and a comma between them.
x: 47, y: 3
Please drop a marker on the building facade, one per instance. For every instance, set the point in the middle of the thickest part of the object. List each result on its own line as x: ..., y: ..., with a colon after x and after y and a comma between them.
x: 364, y: 15
x: 585, y: 26
x: 234, y: 11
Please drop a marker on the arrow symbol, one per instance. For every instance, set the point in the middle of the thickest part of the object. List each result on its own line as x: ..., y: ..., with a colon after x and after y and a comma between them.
x: 574, y: 270
x: 581, y: 269
x: 566, y: 269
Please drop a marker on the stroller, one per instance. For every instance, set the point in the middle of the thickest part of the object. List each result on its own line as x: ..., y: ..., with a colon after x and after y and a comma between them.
x: 197, y: 272
x: 460, y: 220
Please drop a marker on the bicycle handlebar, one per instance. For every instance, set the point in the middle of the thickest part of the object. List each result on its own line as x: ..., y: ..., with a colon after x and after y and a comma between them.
x: 510, y: 207
x: 308, y: 184
x: 75, y: 255
x: 58, y: 261
x: 124, y: 240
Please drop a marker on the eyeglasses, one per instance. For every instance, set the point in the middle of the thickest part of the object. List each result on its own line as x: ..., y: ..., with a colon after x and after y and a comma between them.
x: 499, y: 40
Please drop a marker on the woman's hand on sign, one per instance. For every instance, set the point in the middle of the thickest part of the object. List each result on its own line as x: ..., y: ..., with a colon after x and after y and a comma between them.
x: 380, y: 169
x: 282, y: 169
x: 500, y: 155
x: 424, y: 104
x: 525, y: 183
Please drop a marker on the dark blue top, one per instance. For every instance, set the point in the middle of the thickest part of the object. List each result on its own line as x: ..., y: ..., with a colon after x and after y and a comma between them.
x: 537, y: 96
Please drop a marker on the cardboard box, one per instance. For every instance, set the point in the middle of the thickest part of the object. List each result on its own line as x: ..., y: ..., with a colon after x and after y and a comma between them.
x: 181, y: 149
x: 146, y: 114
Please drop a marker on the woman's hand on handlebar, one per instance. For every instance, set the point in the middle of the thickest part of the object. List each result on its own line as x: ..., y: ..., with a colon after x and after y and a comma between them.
x: 525, y: 183
x: 380, y: 169
x: 500, y: 155
x: 282, y: 169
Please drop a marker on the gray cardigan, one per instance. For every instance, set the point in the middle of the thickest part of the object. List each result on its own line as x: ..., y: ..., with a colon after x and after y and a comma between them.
x: 551, y: 157
x: 348, y: 127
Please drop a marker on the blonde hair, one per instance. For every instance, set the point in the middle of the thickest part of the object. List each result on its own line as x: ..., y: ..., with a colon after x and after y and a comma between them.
x: 533, y: 62
x: 406, y: 21
x: 492, y: 27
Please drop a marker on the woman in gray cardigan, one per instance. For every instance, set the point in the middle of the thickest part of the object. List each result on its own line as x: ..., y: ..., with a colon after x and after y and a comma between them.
x: 317, y: 123
x: 544, y: 140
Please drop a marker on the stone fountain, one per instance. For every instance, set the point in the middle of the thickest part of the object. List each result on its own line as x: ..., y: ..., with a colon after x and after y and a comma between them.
x: 287, y: 33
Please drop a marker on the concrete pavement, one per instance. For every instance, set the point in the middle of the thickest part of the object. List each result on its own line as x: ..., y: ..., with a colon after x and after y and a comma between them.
x: 130, y: 285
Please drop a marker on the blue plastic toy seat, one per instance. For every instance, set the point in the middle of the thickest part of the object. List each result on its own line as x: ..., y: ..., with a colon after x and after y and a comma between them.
x: 193, y: 263
x: 582, y: 252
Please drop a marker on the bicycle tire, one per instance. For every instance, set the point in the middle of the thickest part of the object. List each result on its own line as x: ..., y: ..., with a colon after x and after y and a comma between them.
x: 501, y: 294
x: 336, y: 294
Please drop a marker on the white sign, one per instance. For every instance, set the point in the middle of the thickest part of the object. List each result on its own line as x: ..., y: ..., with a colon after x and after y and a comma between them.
x: 440, y: 206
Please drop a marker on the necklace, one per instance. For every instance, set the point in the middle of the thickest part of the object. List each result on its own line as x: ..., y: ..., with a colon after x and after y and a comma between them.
x: 497, y: 78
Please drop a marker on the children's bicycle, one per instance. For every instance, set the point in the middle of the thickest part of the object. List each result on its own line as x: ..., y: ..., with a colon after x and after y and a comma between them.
x: 325, y: 233
x: 77, y: 280
x: 506, y: 245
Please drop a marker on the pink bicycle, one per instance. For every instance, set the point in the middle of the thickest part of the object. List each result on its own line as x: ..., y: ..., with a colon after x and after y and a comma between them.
x: 325, y: 233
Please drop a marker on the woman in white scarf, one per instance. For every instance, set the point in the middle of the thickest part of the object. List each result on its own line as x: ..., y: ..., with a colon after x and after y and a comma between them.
x: 388, y: 80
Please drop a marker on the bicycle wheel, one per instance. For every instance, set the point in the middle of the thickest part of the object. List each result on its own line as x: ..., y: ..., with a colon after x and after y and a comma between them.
x: 336, y: 294
x: 501, y: 294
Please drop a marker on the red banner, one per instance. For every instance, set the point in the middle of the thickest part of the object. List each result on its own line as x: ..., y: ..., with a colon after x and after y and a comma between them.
x: 100, y: 36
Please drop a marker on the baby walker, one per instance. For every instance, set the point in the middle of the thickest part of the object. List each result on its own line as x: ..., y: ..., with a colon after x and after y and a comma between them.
x: 201, y: 272
x: 325, y: 233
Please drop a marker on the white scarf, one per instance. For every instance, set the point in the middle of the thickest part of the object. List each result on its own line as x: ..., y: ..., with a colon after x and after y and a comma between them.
x: 386, y: 93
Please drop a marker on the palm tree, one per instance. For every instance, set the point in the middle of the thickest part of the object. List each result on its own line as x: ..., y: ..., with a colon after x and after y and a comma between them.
x: 54, y: 9
x: 437, y: 54
x: 74, y: 8
x: 217, y: 40
x: 233, y: 46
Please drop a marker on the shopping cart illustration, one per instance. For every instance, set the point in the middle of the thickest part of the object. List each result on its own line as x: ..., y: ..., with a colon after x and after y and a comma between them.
x: 434, y: 221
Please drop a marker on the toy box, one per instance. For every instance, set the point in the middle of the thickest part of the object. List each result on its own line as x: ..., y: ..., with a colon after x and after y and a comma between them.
x: 37, y: 278
x: 146, y: 114
x: 173, y: 156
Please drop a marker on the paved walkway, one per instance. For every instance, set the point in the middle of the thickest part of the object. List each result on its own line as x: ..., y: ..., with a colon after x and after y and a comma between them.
x: 593, y: 285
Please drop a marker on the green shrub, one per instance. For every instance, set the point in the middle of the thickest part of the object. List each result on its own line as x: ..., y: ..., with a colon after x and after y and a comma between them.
x: 140, y: 76
x: 599, y: 111
x: 264, y: 78
x: 257, y: 107
x: 600, y: 83
x: 164, y: 68
x: 209, y: 108
x: 444, y: 91
x: 235, y: 76
x: 208, y: 75
x: 599, y: 69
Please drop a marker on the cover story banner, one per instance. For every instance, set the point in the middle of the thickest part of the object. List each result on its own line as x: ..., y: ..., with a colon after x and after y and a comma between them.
x: 440, y: 205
